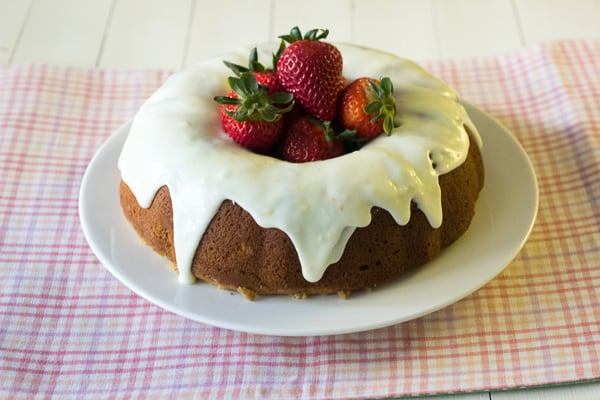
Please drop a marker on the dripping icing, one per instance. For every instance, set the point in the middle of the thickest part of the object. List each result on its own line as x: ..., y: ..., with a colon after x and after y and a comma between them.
x: 176, y: 140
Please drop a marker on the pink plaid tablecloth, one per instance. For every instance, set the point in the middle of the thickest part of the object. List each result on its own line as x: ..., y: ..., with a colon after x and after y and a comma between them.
x: 68, y: 328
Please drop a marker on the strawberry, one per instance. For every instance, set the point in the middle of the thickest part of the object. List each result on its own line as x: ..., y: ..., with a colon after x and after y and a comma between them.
x: 368, y: 106
x: 312, y: 71
x: 251, y: 116
x: 264, y: 76
x: 308, y: 139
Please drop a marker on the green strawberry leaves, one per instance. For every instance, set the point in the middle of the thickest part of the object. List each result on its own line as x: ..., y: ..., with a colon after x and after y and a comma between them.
x: 254, y: 102
x: 296, y: 35
x: 384, y: 105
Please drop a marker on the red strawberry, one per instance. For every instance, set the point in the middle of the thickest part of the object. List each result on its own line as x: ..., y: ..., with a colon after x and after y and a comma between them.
x: 368, y: 106
x: 308, y: 139
x: 258, y: 136
x: 251, y: 116
x: 264, y: 76
x: 312, y: 71
x: 269, y: 80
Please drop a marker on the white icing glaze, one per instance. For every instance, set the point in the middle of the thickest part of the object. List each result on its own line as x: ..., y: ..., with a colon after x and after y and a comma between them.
x: 176, y: 140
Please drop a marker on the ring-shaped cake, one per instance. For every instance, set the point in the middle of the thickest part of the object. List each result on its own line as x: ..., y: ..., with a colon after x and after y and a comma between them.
x: 257, y: 224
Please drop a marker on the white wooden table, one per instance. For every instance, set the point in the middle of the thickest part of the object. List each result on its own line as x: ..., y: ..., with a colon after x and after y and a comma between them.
x: 173, y: 33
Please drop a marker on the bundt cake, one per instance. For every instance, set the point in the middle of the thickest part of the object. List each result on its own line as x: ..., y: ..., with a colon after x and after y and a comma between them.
x: 252, y: 222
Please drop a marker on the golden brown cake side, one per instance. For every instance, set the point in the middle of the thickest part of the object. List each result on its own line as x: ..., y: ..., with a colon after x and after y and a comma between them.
x: 237, y: 253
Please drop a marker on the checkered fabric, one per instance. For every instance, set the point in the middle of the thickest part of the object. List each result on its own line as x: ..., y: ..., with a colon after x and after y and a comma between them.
x: 68, y: 328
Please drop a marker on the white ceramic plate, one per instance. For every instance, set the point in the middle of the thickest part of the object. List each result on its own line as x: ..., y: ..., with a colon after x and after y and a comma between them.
x: 504, y: 217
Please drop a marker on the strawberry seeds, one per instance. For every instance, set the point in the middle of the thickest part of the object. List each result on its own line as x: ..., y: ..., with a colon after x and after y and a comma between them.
x: 302, y: 109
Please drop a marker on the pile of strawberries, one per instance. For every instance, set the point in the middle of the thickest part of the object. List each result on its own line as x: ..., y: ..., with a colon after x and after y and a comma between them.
x: 303, y: 109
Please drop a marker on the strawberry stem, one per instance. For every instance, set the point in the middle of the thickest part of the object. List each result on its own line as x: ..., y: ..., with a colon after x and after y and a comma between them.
x: 384, y: 105
x: 253, y: 101
x: 313, y: 34
x: 253, y: 64
x: 277, y: 54
x: 331, y: 131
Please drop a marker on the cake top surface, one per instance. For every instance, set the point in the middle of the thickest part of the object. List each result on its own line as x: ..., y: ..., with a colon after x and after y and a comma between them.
x: 176, y: 140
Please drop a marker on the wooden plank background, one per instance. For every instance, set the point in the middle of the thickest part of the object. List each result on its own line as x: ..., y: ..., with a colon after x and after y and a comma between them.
x: 175, y: 33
